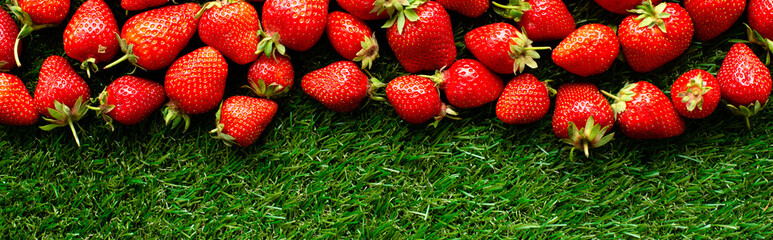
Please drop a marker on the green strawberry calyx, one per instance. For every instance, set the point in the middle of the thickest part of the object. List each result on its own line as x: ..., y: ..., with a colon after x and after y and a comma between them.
x: 212, y: 4
x: 756, y: 38
x: 62, y: 115
x: 747, y: 111
x: 174, y: 115
x: 27, y: 27
x: 128, y: 50
x: 446, y: 111
x: 103, y: 109
x: 693, y: 95
x: 523, y: 53
x: 625, y: 95
x: 369, y: 51
x: 513, y: 10
x: 373, y: 88
x: 218, y: 131
x: 399, y: 11
x: 269, y: 44
x: 651, y: 16
x: 588, y: 137
x: 267, y: 91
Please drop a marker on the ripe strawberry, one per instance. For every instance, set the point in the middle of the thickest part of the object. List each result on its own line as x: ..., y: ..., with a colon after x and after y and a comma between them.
x: 230, y: 26
x: 195, y: 83
x: 352, y: 38
x: 643, y: 112
x: 695, y: 94
x: 744, y: 81
x: 15, y: 102
x: 761, y: 17
x: 293, y: 24
x: 647, y: 47
x: 340, y: 86
x: 135, y: 5
x: 271, y: 76
x: 589, y: 50
x: 8, y: 33
x: 469, y: 8
x: 542, y: 20
x: 621, y: 6
x: 713, y: 17
x: 468, y: 84
x: 60, y: 95
x: 129, y: 100
x: 524, y: 100
x: 153, y: 39
x: 34, y: 15
x: 363, y: 9
x: 241, y: 119
x: 416, y: 99
x: 581, y: 104
x: 90, y: 35
x: 502, y: 48
x: 425, y: 41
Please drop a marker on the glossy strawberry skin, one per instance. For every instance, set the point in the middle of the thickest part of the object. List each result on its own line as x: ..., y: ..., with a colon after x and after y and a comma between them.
x: 244, y: 118
x: 340, y: 86
x: 547, y: 20
x: 589, y: 50
x: 91, y: 33
x: 760, y: 16
x: 649, y: 115
x: 415, y: 99
x: 713, y: 17
x: 362, y: 9
x: 576, y: 103
x: 469, y: 8
x: 468, y: 84
x: 346, y: 32
x: 8, y: 32
x: 135, y: 5
x: 158, y: 35
x: 195, y: 83
x: 58, y: 81
x: 134, y: 99
x: 299, y: 23
x: 646, y: 49
x: 426, y: 44
x: 15, y: 102
x: 524, y: 100
x: 490, y: 44
x: 231, y: 29
x: 743, y: 78
x: 621, y: 6
x: 46, y: 12
x: 710, y: 99
x: 272, y: 70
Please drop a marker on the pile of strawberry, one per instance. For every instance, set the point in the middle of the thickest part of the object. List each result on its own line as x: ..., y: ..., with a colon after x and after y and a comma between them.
x: 419, y: 33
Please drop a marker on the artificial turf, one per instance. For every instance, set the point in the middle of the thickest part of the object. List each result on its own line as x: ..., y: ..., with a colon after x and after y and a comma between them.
x: 367, y: 174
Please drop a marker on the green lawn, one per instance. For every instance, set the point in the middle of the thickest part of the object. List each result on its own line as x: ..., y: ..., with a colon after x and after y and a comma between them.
x: 319, y: 174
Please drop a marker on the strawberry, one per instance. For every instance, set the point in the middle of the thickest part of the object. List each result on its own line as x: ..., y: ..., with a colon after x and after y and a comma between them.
x: 761, y: 17
x: 713, y: 17
x: 469, y: 8
x: 695, y: 94
x: 195, y: 83
x: 60, y: 95
x: 468, y: 84
x: 502, y: 48
x: 340, y: 86
x: 581, y: 104
x: 90, y: 35
x: 416, y: 100
x: 643, y: 112
x: 8, y: 33
x: 241, y: 119
x: 271, y: 76
x: 589, y: 50
x: 36, y: 14
x: 129, y: 100
x: 136, y: 5
x: 363, y: 9
x: 352, y: 38
x: 524, y: 100
x: 293, y: 24
x: 621, y: 6
x: 744, y: 81
x: 425, y: 41
x: 153, y: 39
x: 542, y: 20
x: 656, y: 36
x: 15, y: 102
x: 230, y: 26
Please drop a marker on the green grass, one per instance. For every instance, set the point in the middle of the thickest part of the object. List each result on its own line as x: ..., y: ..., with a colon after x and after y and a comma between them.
x: 319, y: 174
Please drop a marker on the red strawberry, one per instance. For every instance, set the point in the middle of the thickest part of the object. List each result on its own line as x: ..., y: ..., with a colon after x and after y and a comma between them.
x: 524, y: 100
x: 744, y: 81
x: 363, y: 9
x: 542, y: 20
x: 231, y: 27
x: 469, y: 8
x: 502, y: 48
x: 643, y: 112
x: 271, y: 76
x: 695, y: 94
x: 582, y: 117
x: 352, y: 38
x: 90, y: 35
x: 135, y: 5
x: 621, y: 6
x: 294, y: 24
x: 589, y: 50
x: 416, y: 99
x: 425, y: 41
x: 340, y: 86
x: 468, y: 84
x: 129, y: 100
x: 8, y: 33
x: 240, y: 119
x: 15, y: 102
x: 649, y: 46
x: 713, y: 17
x: 152, y: 39
x: 60, y: 95
x: 761, y: 17
x: 36, y: 14
x: 195, y: 83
